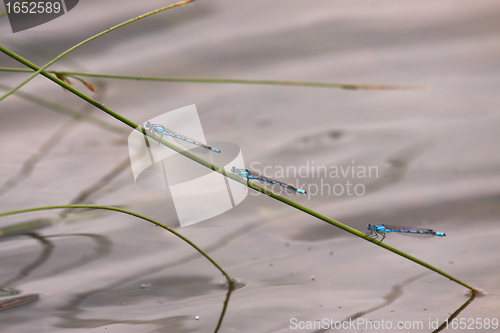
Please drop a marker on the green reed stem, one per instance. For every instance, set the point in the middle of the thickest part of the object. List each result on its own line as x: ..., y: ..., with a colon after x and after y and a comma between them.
x: 350, y: 86
x: 39, y: 70
x: 120, y: 210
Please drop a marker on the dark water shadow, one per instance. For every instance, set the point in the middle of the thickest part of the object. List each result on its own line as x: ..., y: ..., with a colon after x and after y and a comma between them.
x: 399, y: 163
x: 86, y: 193
x: 177, y: 289
x: 47, y: 248
x: 73, y: 308
x: 395, y: 293
x: 102, y: 249
x: 48, y: 145
x: 389, y: 298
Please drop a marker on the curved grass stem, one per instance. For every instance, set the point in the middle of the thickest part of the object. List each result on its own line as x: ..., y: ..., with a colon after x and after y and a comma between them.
x: 230, y: 280
x: 121, y: 210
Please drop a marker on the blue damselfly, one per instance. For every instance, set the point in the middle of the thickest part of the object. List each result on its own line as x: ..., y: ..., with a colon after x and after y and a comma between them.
x: 381, y: 229
x: 186, y: 142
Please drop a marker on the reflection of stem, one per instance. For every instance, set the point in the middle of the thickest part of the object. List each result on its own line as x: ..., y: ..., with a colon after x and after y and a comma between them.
x: 86, y: 193
x: 230, y: 288
x: 229, y: 279
x: 456, y: 313
x: 69, y: 111
x: 120, y: 210
x: 44, y: 255
x: 21, y: 228
x: 41, y: 69
x: 394, y: 294
x: 390, y: 297
x: 102, y: 249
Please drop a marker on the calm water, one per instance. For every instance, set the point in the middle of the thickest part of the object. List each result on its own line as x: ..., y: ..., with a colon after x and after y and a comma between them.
x: 433, y: 155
